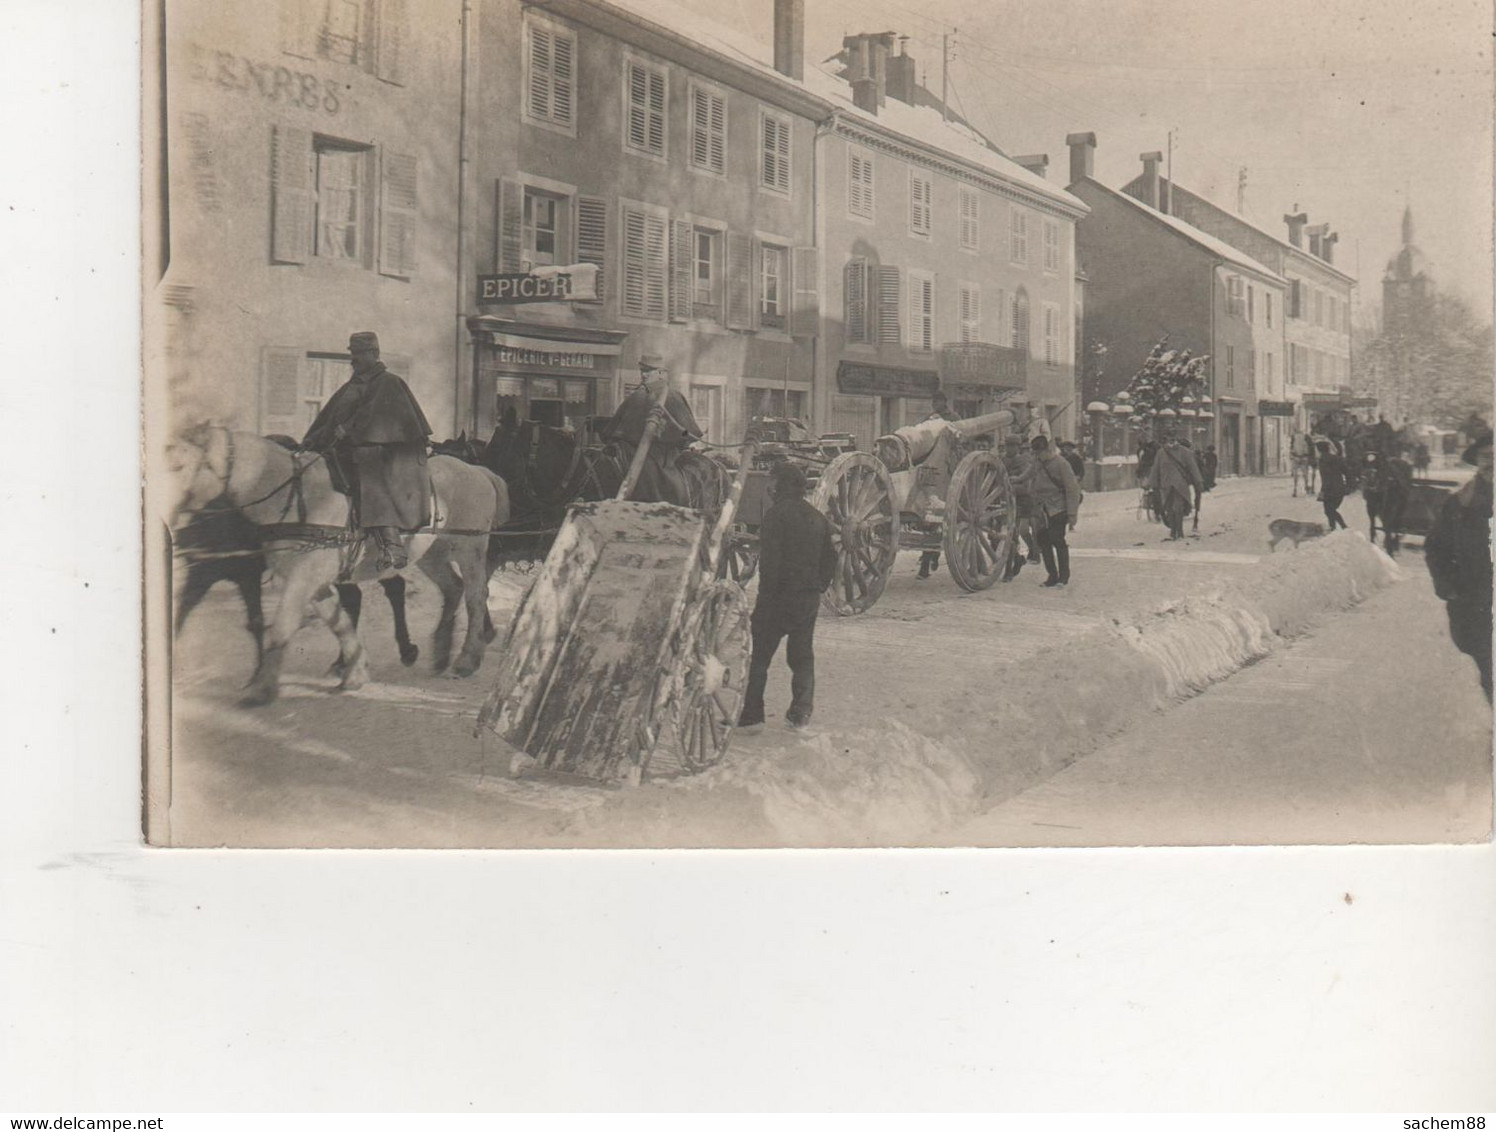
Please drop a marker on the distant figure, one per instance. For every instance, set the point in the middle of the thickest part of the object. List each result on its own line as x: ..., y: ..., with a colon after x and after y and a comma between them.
x: 1332, y: 484
x: 374, y: 435
x: 796, y: 563
x: 1056, y: 498
x: 1458, y: 553
x: 1147, y: 451
x: 1019, y: 463
x: 660, y: 481
x: 1421, y: 460
x: 1175, y: 479
x: 929, y: 560
x: 1073, y: 458
x: 1209, y: 462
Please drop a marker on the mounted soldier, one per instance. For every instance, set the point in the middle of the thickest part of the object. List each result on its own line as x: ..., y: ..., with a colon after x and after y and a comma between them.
x: 660, y: 480
x: 374, y: 435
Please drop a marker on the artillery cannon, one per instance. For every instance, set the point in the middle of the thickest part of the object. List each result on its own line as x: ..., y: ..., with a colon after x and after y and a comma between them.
x: 930, y: 486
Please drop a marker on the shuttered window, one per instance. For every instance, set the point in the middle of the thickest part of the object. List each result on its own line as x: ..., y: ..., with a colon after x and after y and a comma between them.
x: 644, y: 109
x: 398, y: 215
x: 741, y: 277
x: 1051, y: 245
x: 1051, y: 334
x: 342, y: 201
x: 1020, y: 321
x: 550, y: 75
x: 860, y: 183
x: 921, y: 312
x: 921, y: 192
x: 708, y: 130
x: 854, y: 290
x: 971, y: 205
x: 971, y: 313
x: 592, y: 236
x: 293, y: 176
x: 774, y: 166
x: 645, y: 262
x: 889, y: 293
x: 773, y: 301
x: 367, y: 34
x: 1018, y: 235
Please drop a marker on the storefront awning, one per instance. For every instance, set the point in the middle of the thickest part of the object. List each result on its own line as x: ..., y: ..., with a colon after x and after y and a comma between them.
x: 885, y: 381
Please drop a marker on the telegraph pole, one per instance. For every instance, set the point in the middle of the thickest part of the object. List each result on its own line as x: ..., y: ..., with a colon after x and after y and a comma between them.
x: 945, y: 73
x: 1168, y: 201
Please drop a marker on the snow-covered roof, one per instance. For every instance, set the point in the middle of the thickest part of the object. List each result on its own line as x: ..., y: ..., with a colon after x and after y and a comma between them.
x: 1210, y: 243
x: 921, y: 125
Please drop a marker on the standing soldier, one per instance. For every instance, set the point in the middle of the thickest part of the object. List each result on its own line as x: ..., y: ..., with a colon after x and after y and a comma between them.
x: 1458, y: 553
x: 929, y: 560
x: 796, y: 563
x: 660, y: 481
x: 1176, y: 481
x: 374, y: 435
x: 1056, y: 498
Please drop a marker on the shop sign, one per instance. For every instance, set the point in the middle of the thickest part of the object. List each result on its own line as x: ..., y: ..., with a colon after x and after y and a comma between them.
x: 576, y: 284
x: 551, y: 359
x: 983, y: 363
x: 885, y: 381
x: 1275, y: 408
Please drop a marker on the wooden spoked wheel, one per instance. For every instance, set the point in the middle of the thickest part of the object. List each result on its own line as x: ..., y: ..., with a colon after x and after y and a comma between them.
x: 980, y: 521
x: 714, y: 676
x: 856, y: 494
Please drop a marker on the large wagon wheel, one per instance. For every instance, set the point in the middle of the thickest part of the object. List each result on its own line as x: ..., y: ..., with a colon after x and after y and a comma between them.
x: 980, y: 521
x: 714, y: 676
x: 855, y: 493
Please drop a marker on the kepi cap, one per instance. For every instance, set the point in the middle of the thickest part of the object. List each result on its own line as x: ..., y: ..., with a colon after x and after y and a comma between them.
x: 363, y: 340
x: 649, y: 362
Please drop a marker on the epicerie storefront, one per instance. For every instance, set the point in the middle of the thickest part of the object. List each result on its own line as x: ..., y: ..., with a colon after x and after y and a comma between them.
x: 555, y: 375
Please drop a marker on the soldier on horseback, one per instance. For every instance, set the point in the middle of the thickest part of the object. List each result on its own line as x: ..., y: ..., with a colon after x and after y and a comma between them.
x: 660, y: 481
x: 374, y: 435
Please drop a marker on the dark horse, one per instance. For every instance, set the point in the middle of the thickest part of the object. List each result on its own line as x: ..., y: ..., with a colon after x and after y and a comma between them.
x: 1385, y: 486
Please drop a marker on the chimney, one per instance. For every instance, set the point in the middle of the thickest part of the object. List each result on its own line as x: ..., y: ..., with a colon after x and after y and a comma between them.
x: 1151, y: 162
x: 860, y: 73
x: 1082, y: 155
x: 1296, y: 222
x: 901, y: 82
x: 879, y: 47
x: 1036, y: 163
x: 1316, y: 239
x: 1327, y: 246
x: 789, y: 38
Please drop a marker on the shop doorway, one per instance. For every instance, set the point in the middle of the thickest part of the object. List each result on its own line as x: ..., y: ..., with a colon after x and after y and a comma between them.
x: 554, y: 401
x: 1230, y: 445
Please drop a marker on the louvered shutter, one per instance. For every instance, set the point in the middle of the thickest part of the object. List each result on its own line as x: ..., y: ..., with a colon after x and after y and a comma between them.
x: 635, y: 267
x: 390, y: 57
x: 756, y: 283
x: 920, y: 314
x: 805, y: 311
x: 293, y: 176
x: 398, y: 215
x: 680, y: 270
x: 280, y: 391
x: 592, y: 236
x: 638, y: 123
x: 540, y: 71
x: 889, y: 294
x: 563, y: 50
x: 854, y: 287
x: 509, y: 233
x: 701, y: 155
x: 656, y: 112
x: 740, y: 271
x: 656, y: 285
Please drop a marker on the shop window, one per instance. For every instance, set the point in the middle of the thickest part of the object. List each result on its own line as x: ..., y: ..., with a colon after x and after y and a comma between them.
x: 706, y: 407
x: 767, y: 402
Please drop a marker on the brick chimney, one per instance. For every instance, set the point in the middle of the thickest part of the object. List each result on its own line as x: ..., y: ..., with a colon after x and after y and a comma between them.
x: 901, y: 80
x: 1327, y: 246
x: 867, y: 68
x: 1296, y: 222
x: 789, y: 38
x: 1151, y: 162
x: 1082, y: 155
x: 1036, y: 163
x: 1316, y: 236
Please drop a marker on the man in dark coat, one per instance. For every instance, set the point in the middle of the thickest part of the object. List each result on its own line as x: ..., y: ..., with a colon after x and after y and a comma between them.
x: 1175, y: 479
x: 1074, y: 459
x: 660, y: 480
x: 796, y: 563
x: 373, y: 431
x: 1056, y: 501
x: 1333, y: 483
x: 1458, y: 553
x: 1209, y: 463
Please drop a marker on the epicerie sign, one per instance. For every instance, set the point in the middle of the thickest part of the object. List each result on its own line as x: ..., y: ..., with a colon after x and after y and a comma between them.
x: 515, y: 356
x: 523, y: 287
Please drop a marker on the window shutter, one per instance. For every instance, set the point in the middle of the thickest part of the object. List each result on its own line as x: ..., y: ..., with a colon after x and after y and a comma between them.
x: 390, y: 58
x: 592, y: 236
x: 398, y: 215
x: 889, y: 292
x: 701, y: 140
x: 739, y: 281
x: 854, y: 285
x: 635, y: 268
x: 540, y: 71
x: 563, y: 79
x: 280, y: 390
x: 680, y: 270
x: 638, y: 124
x: 805, y: 313
x: 293, y: 178
x: 756, y: 283
x: 510, y: 217
x: 656, y: 112
x: 299, y: 27
x: 920, y: 314
x: 656, y: 284
x: 718, y: 126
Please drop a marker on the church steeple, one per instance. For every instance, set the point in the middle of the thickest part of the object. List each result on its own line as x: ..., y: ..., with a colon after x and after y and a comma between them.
x: 1407, y: 225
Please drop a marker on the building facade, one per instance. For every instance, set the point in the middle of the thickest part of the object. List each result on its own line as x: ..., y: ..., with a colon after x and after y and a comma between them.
x: 308, y: 182
x: 1151, y: 275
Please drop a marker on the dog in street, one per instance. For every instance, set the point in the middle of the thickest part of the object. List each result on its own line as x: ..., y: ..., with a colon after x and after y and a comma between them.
x: 1280, y: 529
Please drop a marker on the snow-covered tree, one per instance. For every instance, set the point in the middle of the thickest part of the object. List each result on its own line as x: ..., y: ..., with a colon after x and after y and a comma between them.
x: 1168, y: 379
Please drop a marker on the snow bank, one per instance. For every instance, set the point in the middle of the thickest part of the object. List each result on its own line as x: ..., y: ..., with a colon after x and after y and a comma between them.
x: 898, y: 783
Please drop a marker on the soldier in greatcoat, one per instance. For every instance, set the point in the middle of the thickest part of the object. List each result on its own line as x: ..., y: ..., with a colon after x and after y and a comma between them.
x: 1175, y: 478
x: 374, y: 435
x: 660, y: 480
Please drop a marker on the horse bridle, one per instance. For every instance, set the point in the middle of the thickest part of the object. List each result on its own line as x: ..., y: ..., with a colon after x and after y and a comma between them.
x: 205, y: 450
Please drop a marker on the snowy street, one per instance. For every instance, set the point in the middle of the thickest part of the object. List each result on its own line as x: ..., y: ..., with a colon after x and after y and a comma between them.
x: 1323, y: 740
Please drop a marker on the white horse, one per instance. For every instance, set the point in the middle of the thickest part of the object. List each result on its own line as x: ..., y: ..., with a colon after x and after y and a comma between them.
x: 304, y: 526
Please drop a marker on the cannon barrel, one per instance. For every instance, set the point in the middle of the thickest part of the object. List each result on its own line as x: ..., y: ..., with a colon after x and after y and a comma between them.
x: 912, y: 444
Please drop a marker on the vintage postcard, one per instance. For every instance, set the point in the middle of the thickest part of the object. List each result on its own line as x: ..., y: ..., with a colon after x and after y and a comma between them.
x: 787, y: 424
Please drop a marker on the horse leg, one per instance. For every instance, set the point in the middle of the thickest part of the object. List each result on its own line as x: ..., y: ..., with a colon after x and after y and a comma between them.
x: 352, y: 663
x: 351, y: 599
x: 475, y: 595
x: 200, y: 579
x: 249, y: 576
x: 394, y: 591
x: 264, y: 686
x: 437, y: 566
